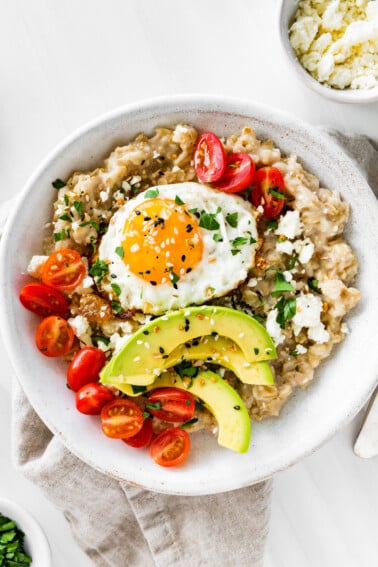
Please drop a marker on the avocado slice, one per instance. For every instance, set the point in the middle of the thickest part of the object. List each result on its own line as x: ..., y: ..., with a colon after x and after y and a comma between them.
x: 224, y: 352
x: 145, y: 353
x: 234, y: 424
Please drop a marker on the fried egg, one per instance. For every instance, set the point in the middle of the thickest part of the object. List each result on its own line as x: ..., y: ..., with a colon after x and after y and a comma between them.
x: 177, y: 245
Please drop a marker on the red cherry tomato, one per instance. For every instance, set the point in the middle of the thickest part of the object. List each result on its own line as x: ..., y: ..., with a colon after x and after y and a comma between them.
x: 91, y: 398
x: 238, y: 175
x: 268, y: 185
x: 63, y: 270
x: 171, y: 447
x: 209, y: 158
x: 54, y: 336
x: 85, y: 367
x: 121, y: 419
x: 143, y: 438
x: 171, y: 404
x: 43, y: 300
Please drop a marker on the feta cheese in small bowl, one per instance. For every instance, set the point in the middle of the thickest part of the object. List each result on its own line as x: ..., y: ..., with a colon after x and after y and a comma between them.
x: 333, y: 46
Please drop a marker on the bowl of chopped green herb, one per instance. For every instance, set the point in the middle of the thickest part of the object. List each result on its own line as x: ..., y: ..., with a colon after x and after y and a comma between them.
x: 22, y: 541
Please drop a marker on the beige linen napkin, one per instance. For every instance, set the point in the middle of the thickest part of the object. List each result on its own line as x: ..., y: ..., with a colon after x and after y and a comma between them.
x: 119, y: 525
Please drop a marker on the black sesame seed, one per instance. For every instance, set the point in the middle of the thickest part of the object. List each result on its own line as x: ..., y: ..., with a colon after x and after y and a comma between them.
x: 161, y: 350
x: 237, y: 407
x: 188, y: 228
x: 138, y: 213
x: 113, y: 276
x: 188, y: 270
x: 147, y: 218
x: 195, y: 343
x: 146, y: 332
x: 153, y: 283
x: 183, y: 258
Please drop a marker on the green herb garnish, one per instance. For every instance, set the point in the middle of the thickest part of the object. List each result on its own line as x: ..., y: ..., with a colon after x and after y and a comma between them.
x: 120, y: 251
x: 292, y: 262
x: 78, y: 206
x: 281, y: 285
x: 313, y: 284
x: 115, y: 287
x: 116, y: 306
x: 232, y: 219
x: 189, y: 423
x: 91, y: 223
x: 208, y: 221
x: 154, y: 405
x: 186, y: 368
x: 235, y: 251
x: 272, y: 224
x: 62, y: 235
x: 151, y: 193
x: 66, y: 199
x: 239, y: 241
x: 100, y: 339
x: 58, y: 184
x: 179, y: 201
x: 217, y: 237
x: 286, y: 310
x: 12, y: 552
x: 65, y: 217
x: 99, y: 270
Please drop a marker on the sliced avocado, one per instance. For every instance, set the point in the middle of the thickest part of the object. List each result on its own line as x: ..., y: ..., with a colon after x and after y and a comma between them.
x: 224, y: 352
x: 222, y: 401
x: 146, y: 351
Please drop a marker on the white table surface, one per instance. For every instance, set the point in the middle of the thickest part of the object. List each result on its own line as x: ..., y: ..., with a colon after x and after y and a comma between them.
x: 63, y: 63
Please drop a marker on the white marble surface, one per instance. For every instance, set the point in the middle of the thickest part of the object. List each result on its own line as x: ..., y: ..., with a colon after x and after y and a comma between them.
x: 64, y: 63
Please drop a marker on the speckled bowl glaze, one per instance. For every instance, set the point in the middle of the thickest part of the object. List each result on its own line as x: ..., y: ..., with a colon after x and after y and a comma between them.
x: 342, y: 384
x: 286, y: 13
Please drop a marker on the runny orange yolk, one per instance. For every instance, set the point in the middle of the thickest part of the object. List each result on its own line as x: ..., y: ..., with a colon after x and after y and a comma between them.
x: 162, y: 241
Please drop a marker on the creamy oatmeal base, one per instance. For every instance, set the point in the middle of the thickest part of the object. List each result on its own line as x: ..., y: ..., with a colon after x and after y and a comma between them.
x: 306, y: 242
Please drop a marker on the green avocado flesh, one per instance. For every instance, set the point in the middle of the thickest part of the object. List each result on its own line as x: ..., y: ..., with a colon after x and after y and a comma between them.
x: 144, y: 356
x: 234, y: 424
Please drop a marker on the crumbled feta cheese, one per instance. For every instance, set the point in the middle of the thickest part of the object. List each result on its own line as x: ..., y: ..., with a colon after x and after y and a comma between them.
x: 85, y: 286
x: 135, y: 180
x: 304, y: 249
x: 301, y: 349
x: 260, y: 209
x: 289, y: 225
x: 155, y: 154
x: 117, y: 341
x: 103, y: 196
x: 126, y: 185
x: 337, y: 41
x: 273, y: 327
x: 286, y: 247
x: 288, y: 276
x: 35, y: 266
x: 175, y: 168
x: 82, y: 329
x: 309, y: 308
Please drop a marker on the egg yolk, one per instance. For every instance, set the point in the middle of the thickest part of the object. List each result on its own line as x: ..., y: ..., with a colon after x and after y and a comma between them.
x: 162, y: 241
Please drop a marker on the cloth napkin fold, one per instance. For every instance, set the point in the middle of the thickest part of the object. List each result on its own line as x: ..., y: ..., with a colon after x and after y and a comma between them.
x: 119, y: 525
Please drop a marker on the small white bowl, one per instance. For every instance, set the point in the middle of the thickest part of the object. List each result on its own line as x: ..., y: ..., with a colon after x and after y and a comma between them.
x: 35, y: 542
x: 286, y: 12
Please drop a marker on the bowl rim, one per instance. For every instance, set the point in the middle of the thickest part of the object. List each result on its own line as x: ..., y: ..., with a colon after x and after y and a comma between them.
x: 352, y: 96
x: 206, y: 103
x: 35, y: 538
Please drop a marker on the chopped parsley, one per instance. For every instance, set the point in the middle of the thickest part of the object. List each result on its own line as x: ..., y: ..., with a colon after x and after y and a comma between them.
x: 151, y: 193
x: 65, y: 217
x: 12, y: 552
x: 174, y: 279
x: 281, y: 285
x: 100, y: 339
x: 179, y: 201
x: 62, y: 235
x: 116, y: 306
x: 78, y: 206
x: 313, y: 284
x: 115, y: 287
x: 292, y: 262
x: 232, y: 219
x: 154, y: 405
x: 208, y: 221
x: 189, y: 423
x: 186, y: 368
x: 66, y: 199
x: 277, y: 193
x: 140, y: 390
x: 217, y: 237
x: 120, y: 251
x: 272, y: 224
x: 235, y: 251
x: 98, y: 270
x: 58, y: 184
x: 91, y: 223
x: 286, y: 308
x: 239, y: 241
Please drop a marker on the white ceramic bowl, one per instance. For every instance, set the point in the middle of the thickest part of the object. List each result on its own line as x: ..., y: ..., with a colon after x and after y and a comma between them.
x: 286, y: 13
x: 35, y: 542
x: 343, y: 383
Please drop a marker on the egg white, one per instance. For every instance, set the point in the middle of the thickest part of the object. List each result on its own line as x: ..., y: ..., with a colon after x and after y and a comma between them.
x: 219, y: 271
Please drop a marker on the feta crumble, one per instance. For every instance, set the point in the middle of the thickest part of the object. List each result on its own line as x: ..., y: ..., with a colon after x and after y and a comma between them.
x: 309, y: 308
x: 35, y: 266
x: 289, y: 225
x: 82, y: 329
x: 273, y: 327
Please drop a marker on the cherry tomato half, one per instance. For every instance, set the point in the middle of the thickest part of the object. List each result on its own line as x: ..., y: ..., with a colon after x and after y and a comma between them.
x: 171, y: 447
x: 209, y: 158
x: 85, y: 367
x: 91, y: 398
x: 54, y: 336
x: 43, y: 300
x: 121, y: 419
x: 171, y: 404
x: 238, y: 175
x: 143, y: 438
x: 268, y: 185
x: 63, y: 270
